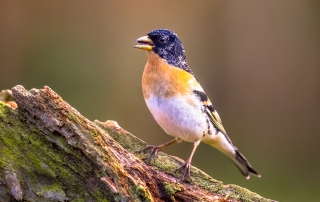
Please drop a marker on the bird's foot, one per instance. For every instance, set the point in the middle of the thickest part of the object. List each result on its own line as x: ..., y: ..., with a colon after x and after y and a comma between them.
x: 186, y: 167
x: 153, y: 153
x: 156, y: 149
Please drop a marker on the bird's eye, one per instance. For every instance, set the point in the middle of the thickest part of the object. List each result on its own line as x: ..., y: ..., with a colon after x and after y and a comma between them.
x: 162, y: 40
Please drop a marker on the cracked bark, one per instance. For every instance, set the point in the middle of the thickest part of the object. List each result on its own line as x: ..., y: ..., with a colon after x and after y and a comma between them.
x: 50, y: 152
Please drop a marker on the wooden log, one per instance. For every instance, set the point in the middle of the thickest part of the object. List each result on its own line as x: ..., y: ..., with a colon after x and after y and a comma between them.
x: 50, y: 152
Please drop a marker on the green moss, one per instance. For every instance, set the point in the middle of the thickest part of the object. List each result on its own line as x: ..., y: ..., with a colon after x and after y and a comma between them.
x: 99, y: 196
x: 143, y: 194
x: 171, y: 189
x: 52, y: 192
x: 2, y: 111
x: 73, y: 117
x: 165, y: 163
x: 124, y: 138
x: 28, y: 151
x: 3, y: 163
x: 242, y: 194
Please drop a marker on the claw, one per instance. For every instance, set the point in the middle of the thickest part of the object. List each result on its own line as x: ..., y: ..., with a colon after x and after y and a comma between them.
x: 156, y: 149
x: 187, y: 167
x: 153, y: 152
x: 187, y: 164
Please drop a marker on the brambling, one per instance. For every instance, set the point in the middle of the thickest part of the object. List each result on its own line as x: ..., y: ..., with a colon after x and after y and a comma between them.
x: 179, y: 104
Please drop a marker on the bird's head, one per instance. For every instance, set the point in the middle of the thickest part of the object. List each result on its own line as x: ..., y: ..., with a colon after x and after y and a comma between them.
x: 166, y: 44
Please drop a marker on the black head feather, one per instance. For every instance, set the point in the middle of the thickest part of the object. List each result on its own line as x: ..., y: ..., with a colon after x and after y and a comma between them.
x: 168, y: 46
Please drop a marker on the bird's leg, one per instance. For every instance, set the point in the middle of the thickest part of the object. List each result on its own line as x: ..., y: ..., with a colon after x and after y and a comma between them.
x: 155, y: 149
x: 187, y: 164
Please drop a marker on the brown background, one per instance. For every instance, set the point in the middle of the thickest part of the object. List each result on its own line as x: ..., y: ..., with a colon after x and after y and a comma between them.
x: 259, y: 62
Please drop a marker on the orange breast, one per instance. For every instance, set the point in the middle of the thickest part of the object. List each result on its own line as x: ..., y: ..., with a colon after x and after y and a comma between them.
x: 164, y: 80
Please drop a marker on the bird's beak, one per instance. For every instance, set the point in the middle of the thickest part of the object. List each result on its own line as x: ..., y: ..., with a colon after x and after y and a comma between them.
x: 145, y: 43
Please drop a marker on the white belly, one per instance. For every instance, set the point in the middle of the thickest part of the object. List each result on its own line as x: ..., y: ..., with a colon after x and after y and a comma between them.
x: 178, y: 117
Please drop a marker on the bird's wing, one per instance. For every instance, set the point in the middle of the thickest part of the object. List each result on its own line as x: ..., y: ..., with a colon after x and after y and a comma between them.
x: 214, y: 118
x: 209, y: 109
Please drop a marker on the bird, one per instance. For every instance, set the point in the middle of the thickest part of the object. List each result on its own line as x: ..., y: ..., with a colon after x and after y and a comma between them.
x: 179, y: 104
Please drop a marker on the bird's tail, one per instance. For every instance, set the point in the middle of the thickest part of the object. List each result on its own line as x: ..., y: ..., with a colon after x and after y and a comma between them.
x: 243, y: 165
x: 223, y: 143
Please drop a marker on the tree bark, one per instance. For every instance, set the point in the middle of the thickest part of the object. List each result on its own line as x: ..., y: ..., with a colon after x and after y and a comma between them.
x: 50, y: 152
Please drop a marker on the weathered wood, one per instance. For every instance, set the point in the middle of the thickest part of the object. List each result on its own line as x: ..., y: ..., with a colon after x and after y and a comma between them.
x: 50, y: 152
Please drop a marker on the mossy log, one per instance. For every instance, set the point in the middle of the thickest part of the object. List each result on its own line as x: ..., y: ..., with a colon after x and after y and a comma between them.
x: 50, y: 152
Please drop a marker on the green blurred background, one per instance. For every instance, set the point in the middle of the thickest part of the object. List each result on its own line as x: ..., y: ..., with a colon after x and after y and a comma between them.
x: 259, y: 62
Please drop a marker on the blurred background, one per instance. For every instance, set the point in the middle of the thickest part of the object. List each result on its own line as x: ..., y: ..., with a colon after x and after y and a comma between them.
x: 259, y: 62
